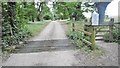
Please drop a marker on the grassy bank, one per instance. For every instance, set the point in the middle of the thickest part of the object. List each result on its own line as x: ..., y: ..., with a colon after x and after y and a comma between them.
x: 36, y: 27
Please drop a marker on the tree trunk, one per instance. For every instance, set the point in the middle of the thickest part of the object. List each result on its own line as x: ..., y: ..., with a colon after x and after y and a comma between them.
x: 32, y: 19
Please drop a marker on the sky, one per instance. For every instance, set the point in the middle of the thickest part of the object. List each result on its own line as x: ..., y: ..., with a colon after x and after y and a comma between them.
x: 112, y: 8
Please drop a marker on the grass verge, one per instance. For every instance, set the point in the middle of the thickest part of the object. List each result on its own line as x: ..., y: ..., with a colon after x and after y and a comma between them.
x: 36, y: 27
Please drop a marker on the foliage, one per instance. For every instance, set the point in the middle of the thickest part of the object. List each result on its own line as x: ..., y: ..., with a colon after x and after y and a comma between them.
x: 36, y: 27
x: 42, y: 11
x: 119, y: 36
x: 30, y: 11
x: 77, y: 36
x: 88, y: 6
x: 15, y: 21
x: 106, y: 37
x: 14, y: 25
x: 116, y: 36
x: 64, y: 10
x: 47, y: 17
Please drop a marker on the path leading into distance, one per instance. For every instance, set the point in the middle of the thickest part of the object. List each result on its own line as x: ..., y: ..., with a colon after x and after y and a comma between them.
x: 51, y: 47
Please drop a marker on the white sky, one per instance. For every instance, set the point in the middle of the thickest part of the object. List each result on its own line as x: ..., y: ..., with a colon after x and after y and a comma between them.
x: 112, y: 8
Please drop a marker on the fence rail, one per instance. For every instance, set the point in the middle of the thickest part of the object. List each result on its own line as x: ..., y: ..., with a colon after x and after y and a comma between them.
x: 111, y: 24
x: 90, y: 33
x: 85, y: 32
x: 89, y: 30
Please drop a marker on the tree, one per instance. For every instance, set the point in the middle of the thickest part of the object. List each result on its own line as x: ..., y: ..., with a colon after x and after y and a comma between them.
x: 66, y: 9
x: 13, y: 25
x: 42, y: 10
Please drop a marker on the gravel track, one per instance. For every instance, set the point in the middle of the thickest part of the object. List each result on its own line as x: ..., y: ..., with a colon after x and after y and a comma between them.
x: 52, y: 48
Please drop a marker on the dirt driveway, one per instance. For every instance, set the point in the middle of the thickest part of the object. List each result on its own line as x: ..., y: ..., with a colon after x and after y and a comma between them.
x: 51, y: 47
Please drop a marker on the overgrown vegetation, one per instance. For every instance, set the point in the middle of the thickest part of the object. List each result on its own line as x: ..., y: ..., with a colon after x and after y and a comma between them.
x: 65, y: 10
x: 13, y: 26
x: 116, y: 36
x: 77, y: 36
x: 16, y: 15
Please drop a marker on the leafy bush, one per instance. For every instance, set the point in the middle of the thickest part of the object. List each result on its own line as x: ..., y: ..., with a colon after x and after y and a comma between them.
x: 76, y: 36
x: 119, y: 37
x: 47, y: 17
x: 116, y: 36
x: 106, y: 37
x: 14, y: 28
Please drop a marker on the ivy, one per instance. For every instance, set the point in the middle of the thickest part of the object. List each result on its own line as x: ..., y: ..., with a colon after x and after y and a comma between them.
x: 14, y: 24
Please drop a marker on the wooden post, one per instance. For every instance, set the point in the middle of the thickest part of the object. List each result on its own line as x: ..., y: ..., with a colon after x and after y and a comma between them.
x: 1, y: 47
x: 86, y: 27
x: 73, y: 25
x: 111, y: 29
x: 92, y: 37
